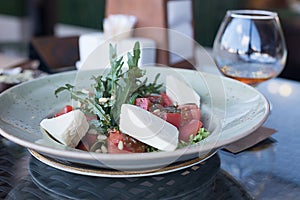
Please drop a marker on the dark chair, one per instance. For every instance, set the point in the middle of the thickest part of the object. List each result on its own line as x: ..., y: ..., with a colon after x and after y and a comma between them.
x: 56, y: 54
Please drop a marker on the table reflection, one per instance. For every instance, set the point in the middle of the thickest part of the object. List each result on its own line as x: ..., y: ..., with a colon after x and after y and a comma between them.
x: 202, y: 181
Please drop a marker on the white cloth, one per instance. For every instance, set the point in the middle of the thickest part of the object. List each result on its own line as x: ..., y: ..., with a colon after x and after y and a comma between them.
x: 94, y: 50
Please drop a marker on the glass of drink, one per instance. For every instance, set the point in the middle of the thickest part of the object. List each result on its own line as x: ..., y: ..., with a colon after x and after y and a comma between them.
x: 250, y: 46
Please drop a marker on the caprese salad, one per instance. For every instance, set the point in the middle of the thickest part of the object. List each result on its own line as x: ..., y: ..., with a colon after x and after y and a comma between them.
x: 124, y: 113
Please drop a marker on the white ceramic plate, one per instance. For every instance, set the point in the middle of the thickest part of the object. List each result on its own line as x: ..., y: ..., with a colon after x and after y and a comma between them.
x: 230, y: 110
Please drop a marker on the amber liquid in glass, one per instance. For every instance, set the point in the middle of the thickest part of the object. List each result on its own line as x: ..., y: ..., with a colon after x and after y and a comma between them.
x: 249, y: 77
x: 249, y: 81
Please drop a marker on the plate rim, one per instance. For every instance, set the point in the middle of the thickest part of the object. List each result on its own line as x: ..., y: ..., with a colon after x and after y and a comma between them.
x: 111, y: 173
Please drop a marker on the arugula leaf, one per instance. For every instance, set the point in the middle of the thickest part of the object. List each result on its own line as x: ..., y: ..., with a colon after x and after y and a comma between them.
x: 88, y: 105
x: 115, y: 72
x: 151, y: 88
x: 67, y: 87
x: 129, y: 83
x: 133, y: 60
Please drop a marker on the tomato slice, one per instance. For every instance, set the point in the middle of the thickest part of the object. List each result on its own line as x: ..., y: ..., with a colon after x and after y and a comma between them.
x: 188, y: 113
x: 82, y: 147
x: 155, y: 99
x: 113, y: 141
x: 65, y: 110
x: 115, y: 136
x: 143, y: 103
x: 58, y: 114
x: 128, y: 144
x: 87, y: 141
x: 190, y: 128
x: 173, y: 118
x: 165, y: 100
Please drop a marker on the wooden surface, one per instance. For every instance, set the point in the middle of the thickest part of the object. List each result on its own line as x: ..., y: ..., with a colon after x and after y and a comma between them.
x: 149, y: 14
x: 7, y: 61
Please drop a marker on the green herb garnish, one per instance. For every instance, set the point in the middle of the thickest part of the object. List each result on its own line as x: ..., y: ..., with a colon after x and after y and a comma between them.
x: 113, y: 90
x: 201, y: 135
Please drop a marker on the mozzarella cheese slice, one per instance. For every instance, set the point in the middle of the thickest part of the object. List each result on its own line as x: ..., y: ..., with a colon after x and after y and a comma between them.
x: 148, y: 128
x: 68, y: 128
x: 179, y: 91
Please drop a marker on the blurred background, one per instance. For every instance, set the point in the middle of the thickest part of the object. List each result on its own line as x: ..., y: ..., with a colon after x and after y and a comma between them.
x: 23, y: 20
